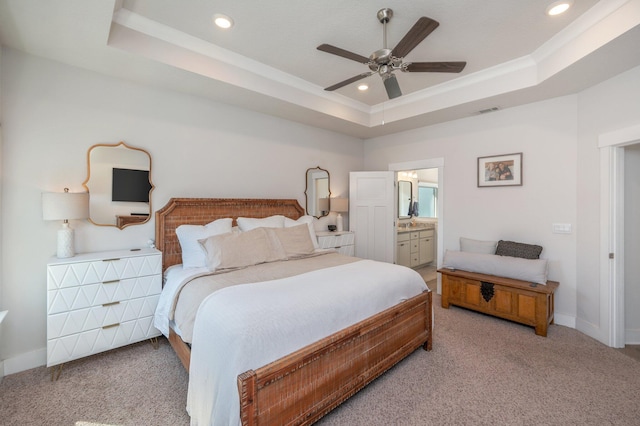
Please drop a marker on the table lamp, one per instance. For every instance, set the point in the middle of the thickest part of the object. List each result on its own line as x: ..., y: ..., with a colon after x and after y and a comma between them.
x: 339, y: 205
x: 65, y: 206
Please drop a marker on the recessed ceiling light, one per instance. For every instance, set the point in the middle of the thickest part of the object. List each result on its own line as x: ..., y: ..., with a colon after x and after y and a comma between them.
x: 222, y: 21
x: 558, y: 7
x: 363, y: 87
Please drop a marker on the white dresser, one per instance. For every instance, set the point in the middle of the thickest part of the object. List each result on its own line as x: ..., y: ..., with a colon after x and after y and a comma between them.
x: 342, y: 241
x: 100, y: 301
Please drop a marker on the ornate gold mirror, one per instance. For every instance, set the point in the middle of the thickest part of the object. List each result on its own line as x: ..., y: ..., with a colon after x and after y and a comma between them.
x: 317, y: 192
x: 119, y: 185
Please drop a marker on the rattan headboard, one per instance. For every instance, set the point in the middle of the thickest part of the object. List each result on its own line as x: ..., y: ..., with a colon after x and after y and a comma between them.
x: 200, y: 211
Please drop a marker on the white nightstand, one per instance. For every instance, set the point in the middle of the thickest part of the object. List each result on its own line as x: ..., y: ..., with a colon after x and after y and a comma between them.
x: 343, y: 241
x: 101, y: 301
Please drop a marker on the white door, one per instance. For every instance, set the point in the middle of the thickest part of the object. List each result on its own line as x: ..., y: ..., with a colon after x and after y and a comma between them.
x: 372, y: 214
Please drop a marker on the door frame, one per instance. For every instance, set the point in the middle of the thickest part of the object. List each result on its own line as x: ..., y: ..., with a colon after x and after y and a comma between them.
x: 611, y: 146
x: 430, y: 163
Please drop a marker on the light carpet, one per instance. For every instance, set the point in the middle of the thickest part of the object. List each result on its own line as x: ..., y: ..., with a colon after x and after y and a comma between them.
x: 481, y: 371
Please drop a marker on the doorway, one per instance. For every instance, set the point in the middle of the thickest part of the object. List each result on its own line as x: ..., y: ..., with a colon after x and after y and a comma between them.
x: 616, y: 285
x: 436, y: 167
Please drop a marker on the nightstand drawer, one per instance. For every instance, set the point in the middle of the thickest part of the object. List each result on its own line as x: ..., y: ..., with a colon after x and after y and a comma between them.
x: 343, y: 242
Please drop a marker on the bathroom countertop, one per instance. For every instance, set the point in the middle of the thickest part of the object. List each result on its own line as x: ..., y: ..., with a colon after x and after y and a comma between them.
x: 417, y: 227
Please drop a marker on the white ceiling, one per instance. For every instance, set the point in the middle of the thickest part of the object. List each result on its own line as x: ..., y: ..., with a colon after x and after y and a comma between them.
x: 268, y: 61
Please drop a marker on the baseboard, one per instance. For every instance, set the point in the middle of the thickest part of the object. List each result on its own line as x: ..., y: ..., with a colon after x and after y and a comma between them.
x: 565, y: 320
x: 632, y: 336
x: 25, y: 361
x: 592, y: 331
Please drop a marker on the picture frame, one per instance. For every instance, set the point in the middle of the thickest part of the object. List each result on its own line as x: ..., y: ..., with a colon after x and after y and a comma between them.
x: 500, y: 170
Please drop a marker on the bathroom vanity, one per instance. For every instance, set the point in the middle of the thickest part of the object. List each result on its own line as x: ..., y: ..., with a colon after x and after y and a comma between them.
x: 415, y: 245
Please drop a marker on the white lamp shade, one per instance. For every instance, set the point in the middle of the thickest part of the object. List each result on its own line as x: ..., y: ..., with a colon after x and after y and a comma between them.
x: 339, y: 204
x: 65, y: 205
x: 323, y: 204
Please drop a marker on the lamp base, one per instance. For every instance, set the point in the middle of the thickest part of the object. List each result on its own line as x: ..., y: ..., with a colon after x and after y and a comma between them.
x: 339, y: 223
x: 65, y: 242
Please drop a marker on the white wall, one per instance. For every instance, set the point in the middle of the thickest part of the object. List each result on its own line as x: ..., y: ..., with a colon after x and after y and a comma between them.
x: 54, y: 113
x: 545, y: 133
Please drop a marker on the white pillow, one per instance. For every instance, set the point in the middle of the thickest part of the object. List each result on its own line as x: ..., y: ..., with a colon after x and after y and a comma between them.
x: 532, y: 270
x: 478, y: 246
x: 192, y: 254
x: 309, y: 220
x: 248, y: 223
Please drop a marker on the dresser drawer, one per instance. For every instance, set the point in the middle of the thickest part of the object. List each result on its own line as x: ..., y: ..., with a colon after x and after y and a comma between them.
x: 111, y: 268
x: 101, y: 301
x: 80, y: 320
x: 79, y: 345
x: 85, y: 296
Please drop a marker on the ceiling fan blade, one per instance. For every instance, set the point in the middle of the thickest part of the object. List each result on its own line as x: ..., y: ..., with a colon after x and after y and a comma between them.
x: 392, y: 86
x: 416, y: 34
x: 348, y: 81
x: 344, y: 53
x: 435, y: 66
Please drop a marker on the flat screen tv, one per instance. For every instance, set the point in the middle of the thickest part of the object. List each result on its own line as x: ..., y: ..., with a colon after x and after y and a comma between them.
x: 130, y: 185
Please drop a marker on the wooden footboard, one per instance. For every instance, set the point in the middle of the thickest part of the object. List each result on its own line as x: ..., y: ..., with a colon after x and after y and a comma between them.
x: 305, y: 385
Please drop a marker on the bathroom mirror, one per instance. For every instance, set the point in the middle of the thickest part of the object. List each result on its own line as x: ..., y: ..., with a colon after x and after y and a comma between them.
x: 119, y: 185
x: 405, y: 192
x: 317, y: 192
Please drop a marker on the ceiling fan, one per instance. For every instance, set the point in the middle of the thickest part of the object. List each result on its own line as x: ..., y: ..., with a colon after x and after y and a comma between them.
x: 384, y: 61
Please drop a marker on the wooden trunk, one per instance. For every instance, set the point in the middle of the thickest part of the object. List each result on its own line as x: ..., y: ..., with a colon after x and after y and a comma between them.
x: 515, y: 300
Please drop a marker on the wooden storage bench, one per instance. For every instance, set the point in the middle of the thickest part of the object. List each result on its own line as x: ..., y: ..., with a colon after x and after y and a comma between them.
x: 515, y: 300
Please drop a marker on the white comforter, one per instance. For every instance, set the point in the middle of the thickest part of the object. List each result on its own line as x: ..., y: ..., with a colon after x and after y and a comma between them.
x: 248, y: 326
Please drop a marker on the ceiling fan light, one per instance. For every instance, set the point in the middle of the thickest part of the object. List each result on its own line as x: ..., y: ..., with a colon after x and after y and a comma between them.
x: 222, y: 21
x: 559, y: 7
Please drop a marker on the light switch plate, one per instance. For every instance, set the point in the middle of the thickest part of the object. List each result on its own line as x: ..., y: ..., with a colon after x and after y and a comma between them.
x: 561, y: 228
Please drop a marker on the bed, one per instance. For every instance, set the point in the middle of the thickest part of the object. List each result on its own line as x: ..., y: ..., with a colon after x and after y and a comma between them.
x: 303, y: 384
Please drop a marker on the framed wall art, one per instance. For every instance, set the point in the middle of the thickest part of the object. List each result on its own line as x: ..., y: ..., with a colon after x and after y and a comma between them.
x: 500, y: 170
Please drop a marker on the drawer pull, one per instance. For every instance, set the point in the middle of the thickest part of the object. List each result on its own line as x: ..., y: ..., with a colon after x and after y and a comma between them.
x: 111, y: 260
x: 111, y: 282
x: 110, y: 304
x: 111, y: 326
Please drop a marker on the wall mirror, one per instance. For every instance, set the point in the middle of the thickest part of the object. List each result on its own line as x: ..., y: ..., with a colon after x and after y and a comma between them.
x: 317, y: 192
x: 405, y: 192
x: 119, y: 185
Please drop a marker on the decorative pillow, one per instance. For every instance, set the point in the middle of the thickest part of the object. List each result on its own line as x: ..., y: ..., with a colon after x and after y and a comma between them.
x: 309, y: 220
x: 238, y: 250
x: 188, y: 236
x: 532, y: 270
x: 478, y: 246
x: 513, y: 249
x: 295, y: 240
x: 248, y: 223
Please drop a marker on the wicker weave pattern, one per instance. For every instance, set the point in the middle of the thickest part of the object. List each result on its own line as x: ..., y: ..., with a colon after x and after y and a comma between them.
x: 305, y: 385
x: 200, y: 211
